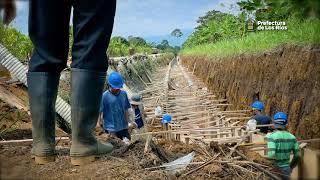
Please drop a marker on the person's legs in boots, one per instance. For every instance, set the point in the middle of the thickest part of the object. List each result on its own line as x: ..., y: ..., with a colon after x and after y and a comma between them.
x: 92, y: 27
x: 49, y: 33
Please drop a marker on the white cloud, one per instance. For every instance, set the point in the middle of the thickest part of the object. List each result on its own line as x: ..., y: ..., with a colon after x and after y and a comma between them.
x: 149, y: 17
x: 21, y: 5
x: 156, y: 17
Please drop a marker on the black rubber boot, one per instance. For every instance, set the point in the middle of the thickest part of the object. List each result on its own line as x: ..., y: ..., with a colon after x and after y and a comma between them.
x: 86, y: 94
x: 42, y: 90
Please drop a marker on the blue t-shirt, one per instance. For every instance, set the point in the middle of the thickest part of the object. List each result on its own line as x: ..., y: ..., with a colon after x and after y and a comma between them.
x: 114, y: 108
x: 261, y: 120
x: 138, y: 118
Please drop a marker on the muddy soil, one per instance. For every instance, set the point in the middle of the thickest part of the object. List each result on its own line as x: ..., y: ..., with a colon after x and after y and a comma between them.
x: 14, y: 123
x: 286, y: 79
x: 19, y: 165
x: 125, y: 162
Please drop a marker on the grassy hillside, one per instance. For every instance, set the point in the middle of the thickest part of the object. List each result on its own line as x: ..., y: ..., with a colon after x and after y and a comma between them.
x: 299, y: 32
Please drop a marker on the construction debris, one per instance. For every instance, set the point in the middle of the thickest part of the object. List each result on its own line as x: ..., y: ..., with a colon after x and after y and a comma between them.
x: 200, y: 120
x: 203, y: 141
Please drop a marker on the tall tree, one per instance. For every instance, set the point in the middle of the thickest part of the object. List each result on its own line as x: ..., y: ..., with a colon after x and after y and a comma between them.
x: 136, y: 41
x: 176, y: 33
x: 163, y: 45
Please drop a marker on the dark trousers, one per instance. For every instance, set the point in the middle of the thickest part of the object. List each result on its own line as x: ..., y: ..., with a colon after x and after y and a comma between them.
x: 285, y: 172
x: 49, y: 31
x: 120, y: 134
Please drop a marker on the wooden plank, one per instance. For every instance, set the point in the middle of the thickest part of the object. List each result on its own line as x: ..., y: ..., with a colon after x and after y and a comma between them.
x: 236, y: 111
x: 29, y: 140
x: 189, y: 113
x: 211, y: 134
x: 189, y: 96
x: 162, y: 132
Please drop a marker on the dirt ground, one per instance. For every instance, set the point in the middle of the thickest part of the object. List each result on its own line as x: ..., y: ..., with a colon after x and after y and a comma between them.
x: 14, y: 123
x: 128, y: 165
x: 125, y: 162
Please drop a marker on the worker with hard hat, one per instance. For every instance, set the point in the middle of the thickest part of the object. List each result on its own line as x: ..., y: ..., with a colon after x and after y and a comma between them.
x: 280, y: 145
x: 137, y: 115
x: 137, y: 110
x: 115, y: 108
x: 166, y: 118
x: 261, y: 119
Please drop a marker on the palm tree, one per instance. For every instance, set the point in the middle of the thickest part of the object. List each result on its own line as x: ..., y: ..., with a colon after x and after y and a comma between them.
x: 177, y: 33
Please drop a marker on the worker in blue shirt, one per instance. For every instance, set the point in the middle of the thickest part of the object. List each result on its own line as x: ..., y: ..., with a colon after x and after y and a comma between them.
x: 261, y: 119
x: 115, y: 108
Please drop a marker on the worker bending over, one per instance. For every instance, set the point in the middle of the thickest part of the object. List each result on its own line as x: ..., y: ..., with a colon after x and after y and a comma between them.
x: 280, y: 144
x: 137, y: 111
x: 115, y: 108
x: 260, y: 118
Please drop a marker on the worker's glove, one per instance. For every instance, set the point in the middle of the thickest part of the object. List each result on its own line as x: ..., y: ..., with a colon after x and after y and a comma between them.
x: 126, y: 141
x: 132, y: 126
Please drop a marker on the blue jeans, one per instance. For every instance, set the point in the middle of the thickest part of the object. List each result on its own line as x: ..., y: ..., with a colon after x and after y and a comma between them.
x: 49, y: 33
x: 285, y: 172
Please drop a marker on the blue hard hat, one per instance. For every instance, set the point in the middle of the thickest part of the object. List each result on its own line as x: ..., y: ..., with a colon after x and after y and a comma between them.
x: 115, y: 80
x: 257, y: 105
x: 280, y: 118
x: 166, y: 118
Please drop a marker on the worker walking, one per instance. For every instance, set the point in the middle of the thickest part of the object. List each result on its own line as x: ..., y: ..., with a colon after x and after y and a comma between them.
x: 49, y: 33
x: 260, y: 118
x: 115, y: 108
x: 280, y: 145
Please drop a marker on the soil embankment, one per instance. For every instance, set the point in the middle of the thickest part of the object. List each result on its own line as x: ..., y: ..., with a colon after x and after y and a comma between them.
x: 286, y: 79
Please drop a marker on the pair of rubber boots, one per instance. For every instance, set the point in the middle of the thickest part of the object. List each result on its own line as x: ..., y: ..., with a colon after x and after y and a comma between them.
x: 86, y: 93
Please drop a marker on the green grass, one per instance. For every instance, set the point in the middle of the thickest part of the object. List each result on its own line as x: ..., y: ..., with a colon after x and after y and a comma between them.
x: 298, y: 33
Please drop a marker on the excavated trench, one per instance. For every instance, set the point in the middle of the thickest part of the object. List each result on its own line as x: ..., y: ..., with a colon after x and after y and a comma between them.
x: 126, y: 161
x: 286, y: 79
x: 176, y: 91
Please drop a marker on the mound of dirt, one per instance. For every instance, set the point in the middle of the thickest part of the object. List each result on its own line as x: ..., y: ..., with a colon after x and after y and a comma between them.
x: 14, y: 123
x: 256, y: 157
x: 175, y: 149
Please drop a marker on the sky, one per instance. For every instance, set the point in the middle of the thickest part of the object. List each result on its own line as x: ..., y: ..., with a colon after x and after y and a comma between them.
x: 153, y: 20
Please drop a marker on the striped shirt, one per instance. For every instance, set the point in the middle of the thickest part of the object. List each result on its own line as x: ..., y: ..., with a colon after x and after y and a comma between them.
x: 280, y: 146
